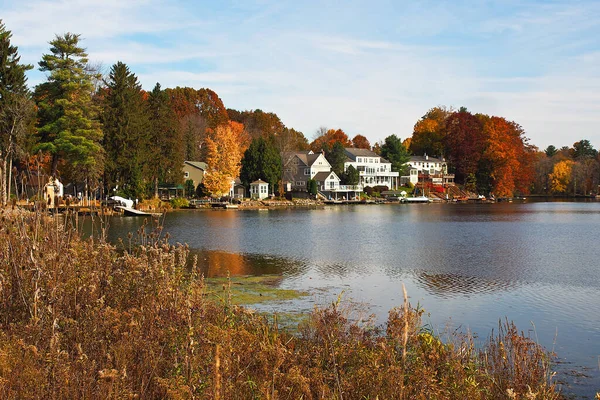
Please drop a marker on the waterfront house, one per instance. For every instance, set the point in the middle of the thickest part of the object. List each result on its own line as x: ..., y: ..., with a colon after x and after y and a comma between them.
x: 259, y: 189
x: 373, y: 169
x: 195, y: 171
x: 301, y: 166
x: 428, y: 169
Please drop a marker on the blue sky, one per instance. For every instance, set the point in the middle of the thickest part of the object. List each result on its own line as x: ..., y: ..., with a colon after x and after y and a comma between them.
x: 369, y: 67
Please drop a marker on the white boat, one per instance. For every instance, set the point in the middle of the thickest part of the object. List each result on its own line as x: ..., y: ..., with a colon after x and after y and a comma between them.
x: 417, y: 199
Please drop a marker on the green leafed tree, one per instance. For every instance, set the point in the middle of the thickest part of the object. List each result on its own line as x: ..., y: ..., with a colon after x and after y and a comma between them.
x: 167, y: 150
x: 351, y: 176
x: 261, y: 161
x: 551, y: 151
x: 336, y: 156
x: 16, y: 109
x: 68, y: 122
x: 394, y: 151
x: 126, y: 140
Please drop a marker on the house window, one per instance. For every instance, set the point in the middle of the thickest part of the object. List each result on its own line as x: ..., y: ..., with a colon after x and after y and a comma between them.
x: 358, y: 159
x: 186, y: 174
x: 306, y: 171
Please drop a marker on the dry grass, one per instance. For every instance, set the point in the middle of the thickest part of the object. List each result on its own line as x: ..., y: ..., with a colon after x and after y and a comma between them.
x: 79, y: 320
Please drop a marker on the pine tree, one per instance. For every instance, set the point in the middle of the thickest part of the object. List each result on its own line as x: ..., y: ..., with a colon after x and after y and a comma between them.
x: 167, y: 140
x: 261, y: 161
x: 16, y: 108
x: 68, y: 123
x: 395, y: 152
x: 126, y: 140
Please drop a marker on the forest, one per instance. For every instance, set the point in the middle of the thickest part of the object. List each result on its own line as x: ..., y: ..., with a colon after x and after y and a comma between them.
x: 103, y: 131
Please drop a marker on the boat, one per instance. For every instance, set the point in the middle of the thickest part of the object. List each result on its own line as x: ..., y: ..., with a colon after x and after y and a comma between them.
x: 417, y: 199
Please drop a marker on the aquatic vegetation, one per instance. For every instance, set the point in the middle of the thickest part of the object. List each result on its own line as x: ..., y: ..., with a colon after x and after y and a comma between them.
x: 79, y: 319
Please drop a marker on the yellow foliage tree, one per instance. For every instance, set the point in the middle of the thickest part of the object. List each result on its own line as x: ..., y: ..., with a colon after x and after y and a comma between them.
x: 561, y: 176
x: 225, y: 146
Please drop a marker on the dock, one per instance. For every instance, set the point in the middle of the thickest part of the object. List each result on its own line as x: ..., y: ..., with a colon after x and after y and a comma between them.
x: 132, y: 212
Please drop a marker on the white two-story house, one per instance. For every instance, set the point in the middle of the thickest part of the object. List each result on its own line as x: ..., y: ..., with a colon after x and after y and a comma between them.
x: 430, y: 169
x: 373, y: 169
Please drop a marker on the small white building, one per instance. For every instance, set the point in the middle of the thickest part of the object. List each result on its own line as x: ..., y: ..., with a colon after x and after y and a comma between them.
x: 53, y: 189
x: 259, y: 189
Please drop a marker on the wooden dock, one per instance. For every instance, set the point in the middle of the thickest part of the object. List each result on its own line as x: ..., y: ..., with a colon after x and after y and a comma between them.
x: 132, y: 212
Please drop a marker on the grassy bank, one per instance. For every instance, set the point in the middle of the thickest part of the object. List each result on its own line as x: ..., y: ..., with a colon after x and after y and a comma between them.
x: 79, y: 319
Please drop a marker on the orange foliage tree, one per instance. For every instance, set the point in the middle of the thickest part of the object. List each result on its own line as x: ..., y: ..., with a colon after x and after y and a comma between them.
x: 361, y: 142
x: 327, y: 139
x: 225, y: 146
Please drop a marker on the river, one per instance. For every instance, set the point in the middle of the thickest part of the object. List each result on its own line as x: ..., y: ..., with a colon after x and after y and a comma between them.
x: 467, y: 265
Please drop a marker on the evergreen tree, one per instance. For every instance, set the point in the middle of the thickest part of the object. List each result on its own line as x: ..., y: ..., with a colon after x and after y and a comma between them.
x: 394, y: 151
x: 261, y: 161
x: 351, y: 176
x: 16, y: 109
x: 167, y: 140
x: 68, y: 124
x: 336, y: 156
x: 125, y: 122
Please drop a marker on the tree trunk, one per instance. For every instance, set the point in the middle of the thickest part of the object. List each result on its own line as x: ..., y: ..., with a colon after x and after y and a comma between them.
x: 3, y: 182
x: 156, y: 188
x: 7, y: 193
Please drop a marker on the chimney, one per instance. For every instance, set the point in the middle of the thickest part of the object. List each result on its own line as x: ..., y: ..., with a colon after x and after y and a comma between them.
x: 426, y: 156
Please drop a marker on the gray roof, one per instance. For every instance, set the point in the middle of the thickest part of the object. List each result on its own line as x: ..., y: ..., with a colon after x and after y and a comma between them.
x: 321, y: 176
x: 198, y: 164
x: 361, y: 152
x: 424, y: 159
x: 354, y: 152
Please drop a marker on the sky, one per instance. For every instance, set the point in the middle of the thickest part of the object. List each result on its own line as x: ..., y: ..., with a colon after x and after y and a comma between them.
x: 368, y: 67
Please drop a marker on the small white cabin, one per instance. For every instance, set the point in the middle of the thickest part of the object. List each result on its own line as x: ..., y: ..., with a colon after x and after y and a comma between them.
x: 259, y: 189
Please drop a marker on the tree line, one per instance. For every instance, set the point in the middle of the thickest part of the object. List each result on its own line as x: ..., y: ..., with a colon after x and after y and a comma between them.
x: 108, y: 132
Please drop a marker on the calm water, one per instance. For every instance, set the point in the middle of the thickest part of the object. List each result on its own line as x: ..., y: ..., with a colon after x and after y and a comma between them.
x: 467, y: 265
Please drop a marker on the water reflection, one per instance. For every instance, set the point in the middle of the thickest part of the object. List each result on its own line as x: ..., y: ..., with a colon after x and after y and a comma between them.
x: 449, y: 285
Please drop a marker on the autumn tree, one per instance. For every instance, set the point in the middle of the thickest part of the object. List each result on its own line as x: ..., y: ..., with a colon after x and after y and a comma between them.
x: 464, y: 143
x: 394, y: 151
x: 361, y: 142
x: 224, y: 151
x: 429, y: 133
x: 197, y: 111
x: 560, y: 178
x: 68, y: 122
x: 166, y: 152
x: 261, y: 161
x: 126, y: 126
x: 16, y: 109
x: 325, y: 139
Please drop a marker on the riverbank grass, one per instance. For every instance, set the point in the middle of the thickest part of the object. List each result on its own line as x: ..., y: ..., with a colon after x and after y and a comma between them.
x: 249, y: 290
x: 81, y: 320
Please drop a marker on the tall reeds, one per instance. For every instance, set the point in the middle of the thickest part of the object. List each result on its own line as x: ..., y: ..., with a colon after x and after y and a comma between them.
x: 80, y: 320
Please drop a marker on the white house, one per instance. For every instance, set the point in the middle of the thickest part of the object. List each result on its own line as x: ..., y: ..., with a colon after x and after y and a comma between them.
x: 373, y: 169
x: 431, y: 169
x: 259, y: 189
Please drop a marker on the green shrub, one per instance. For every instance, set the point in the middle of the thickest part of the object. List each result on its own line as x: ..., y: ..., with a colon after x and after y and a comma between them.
x: 180, y: 202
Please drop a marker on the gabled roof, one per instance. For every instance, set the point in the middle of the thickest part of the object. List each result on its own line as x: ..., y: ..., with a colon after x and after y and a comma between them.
x: 321, y: 176
x: 308, y: 158
x: 258, y: 182
x: 197, y: 164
